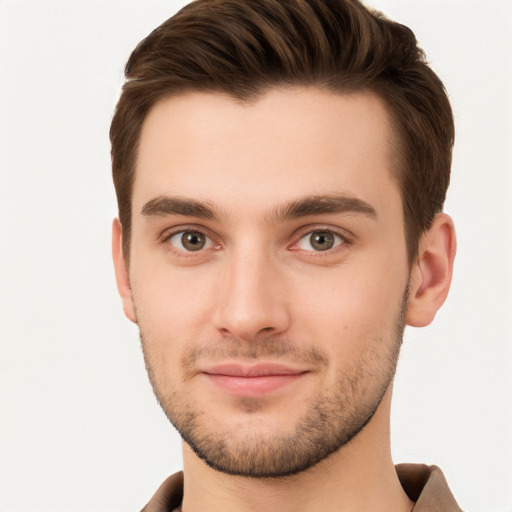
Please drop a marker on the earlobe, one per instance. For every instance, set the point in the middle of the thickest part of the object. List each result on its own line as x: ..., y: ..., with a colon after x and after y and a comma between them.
x: 121, y: 270
x: 432, y: 272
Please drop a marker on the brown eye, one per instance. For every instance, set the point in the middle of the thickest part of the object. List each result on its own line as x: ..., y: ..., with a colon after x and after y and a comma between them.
x: 193, y: 241
x: 190, y: 241
x: 320, y: 240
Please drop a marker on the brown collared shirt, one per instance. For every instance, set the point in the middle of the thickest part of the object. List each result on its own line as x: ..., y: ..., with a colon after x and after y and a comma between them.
x: 425, y: 485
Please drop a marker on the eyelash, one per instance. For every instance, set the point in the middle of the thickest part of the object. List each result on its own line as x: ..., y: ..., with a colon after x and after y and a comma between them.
x: 346, y: 240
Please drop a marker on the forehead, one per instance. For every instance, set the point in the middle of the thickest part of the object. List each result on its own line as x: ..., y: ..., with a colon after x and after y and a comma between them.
x: 287, y: 143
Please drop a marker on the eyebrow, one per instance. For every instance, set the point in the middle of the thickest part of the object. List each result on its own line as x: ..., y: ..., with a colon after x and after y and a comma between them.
x: 165, y: 205
x: 321, y: 205
x: 304, y: 207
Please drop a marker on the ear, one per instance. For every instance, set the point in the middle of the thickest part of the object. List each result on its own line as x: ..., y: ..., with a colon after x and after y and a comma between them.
x: 121, y: 268
x: 432, y: 272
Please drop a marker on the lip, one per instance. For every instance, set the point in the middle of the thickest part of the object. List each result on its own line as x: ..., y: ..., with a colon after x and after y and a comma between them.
x: 252, y: 380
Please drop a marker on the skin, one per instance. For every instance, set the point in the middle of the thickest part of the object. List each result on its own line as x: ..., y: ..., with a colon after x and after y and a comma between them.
x: 260, y: 292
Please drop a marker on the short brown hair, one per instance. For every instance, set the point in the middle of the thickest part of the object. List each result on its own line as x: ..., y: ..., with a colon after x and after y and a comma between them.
x: 244, y: 47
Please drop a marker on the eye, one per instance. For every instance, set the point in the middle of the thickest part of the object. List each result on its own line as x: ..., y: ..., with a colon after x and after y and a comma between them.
x: 190, y: 241
x: 320, y: 240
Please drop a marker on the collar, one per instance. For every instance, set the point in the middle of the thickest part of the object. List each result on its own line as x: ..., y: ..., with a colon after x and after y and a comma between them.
x: 426, y: 485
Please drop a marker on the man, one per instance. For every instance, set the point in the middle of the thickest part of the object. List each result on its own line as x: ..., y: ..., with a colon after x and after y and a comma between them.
x: 280, y: 169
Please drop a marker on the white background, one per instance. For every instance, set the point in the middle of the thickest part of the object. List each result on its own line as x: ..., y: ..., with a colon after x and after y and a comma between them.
x: 79, y: 427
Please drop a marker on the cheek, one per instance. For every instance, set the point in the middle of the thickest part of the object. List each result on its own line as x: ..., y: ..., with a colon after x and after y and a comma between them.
x: 173, y: 307
x: 173, y: 293
x: 351, y: 309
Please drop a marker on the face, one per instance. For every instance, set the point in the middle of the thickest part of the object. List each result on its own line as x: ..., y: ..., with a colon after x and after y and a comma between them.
x: 268, y: 272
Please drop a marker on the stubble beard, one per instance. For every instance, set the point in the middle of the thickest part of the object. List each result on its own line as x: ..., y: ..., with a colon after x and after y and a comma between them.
x: 331, y: 421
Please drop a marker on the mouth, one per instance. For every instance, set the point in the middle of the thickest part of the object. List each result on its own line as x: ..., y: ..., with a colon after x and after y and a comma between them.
x: 252, y: 380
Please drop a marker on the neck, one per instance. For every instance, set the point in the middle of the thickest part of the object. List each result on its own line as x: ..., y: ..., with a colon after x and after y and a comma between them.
x: 360, y: 476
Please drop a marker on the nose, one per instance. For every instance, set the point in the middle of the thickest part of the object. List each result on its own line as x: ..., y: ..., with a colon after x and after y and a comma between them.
x: 251, y: 302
